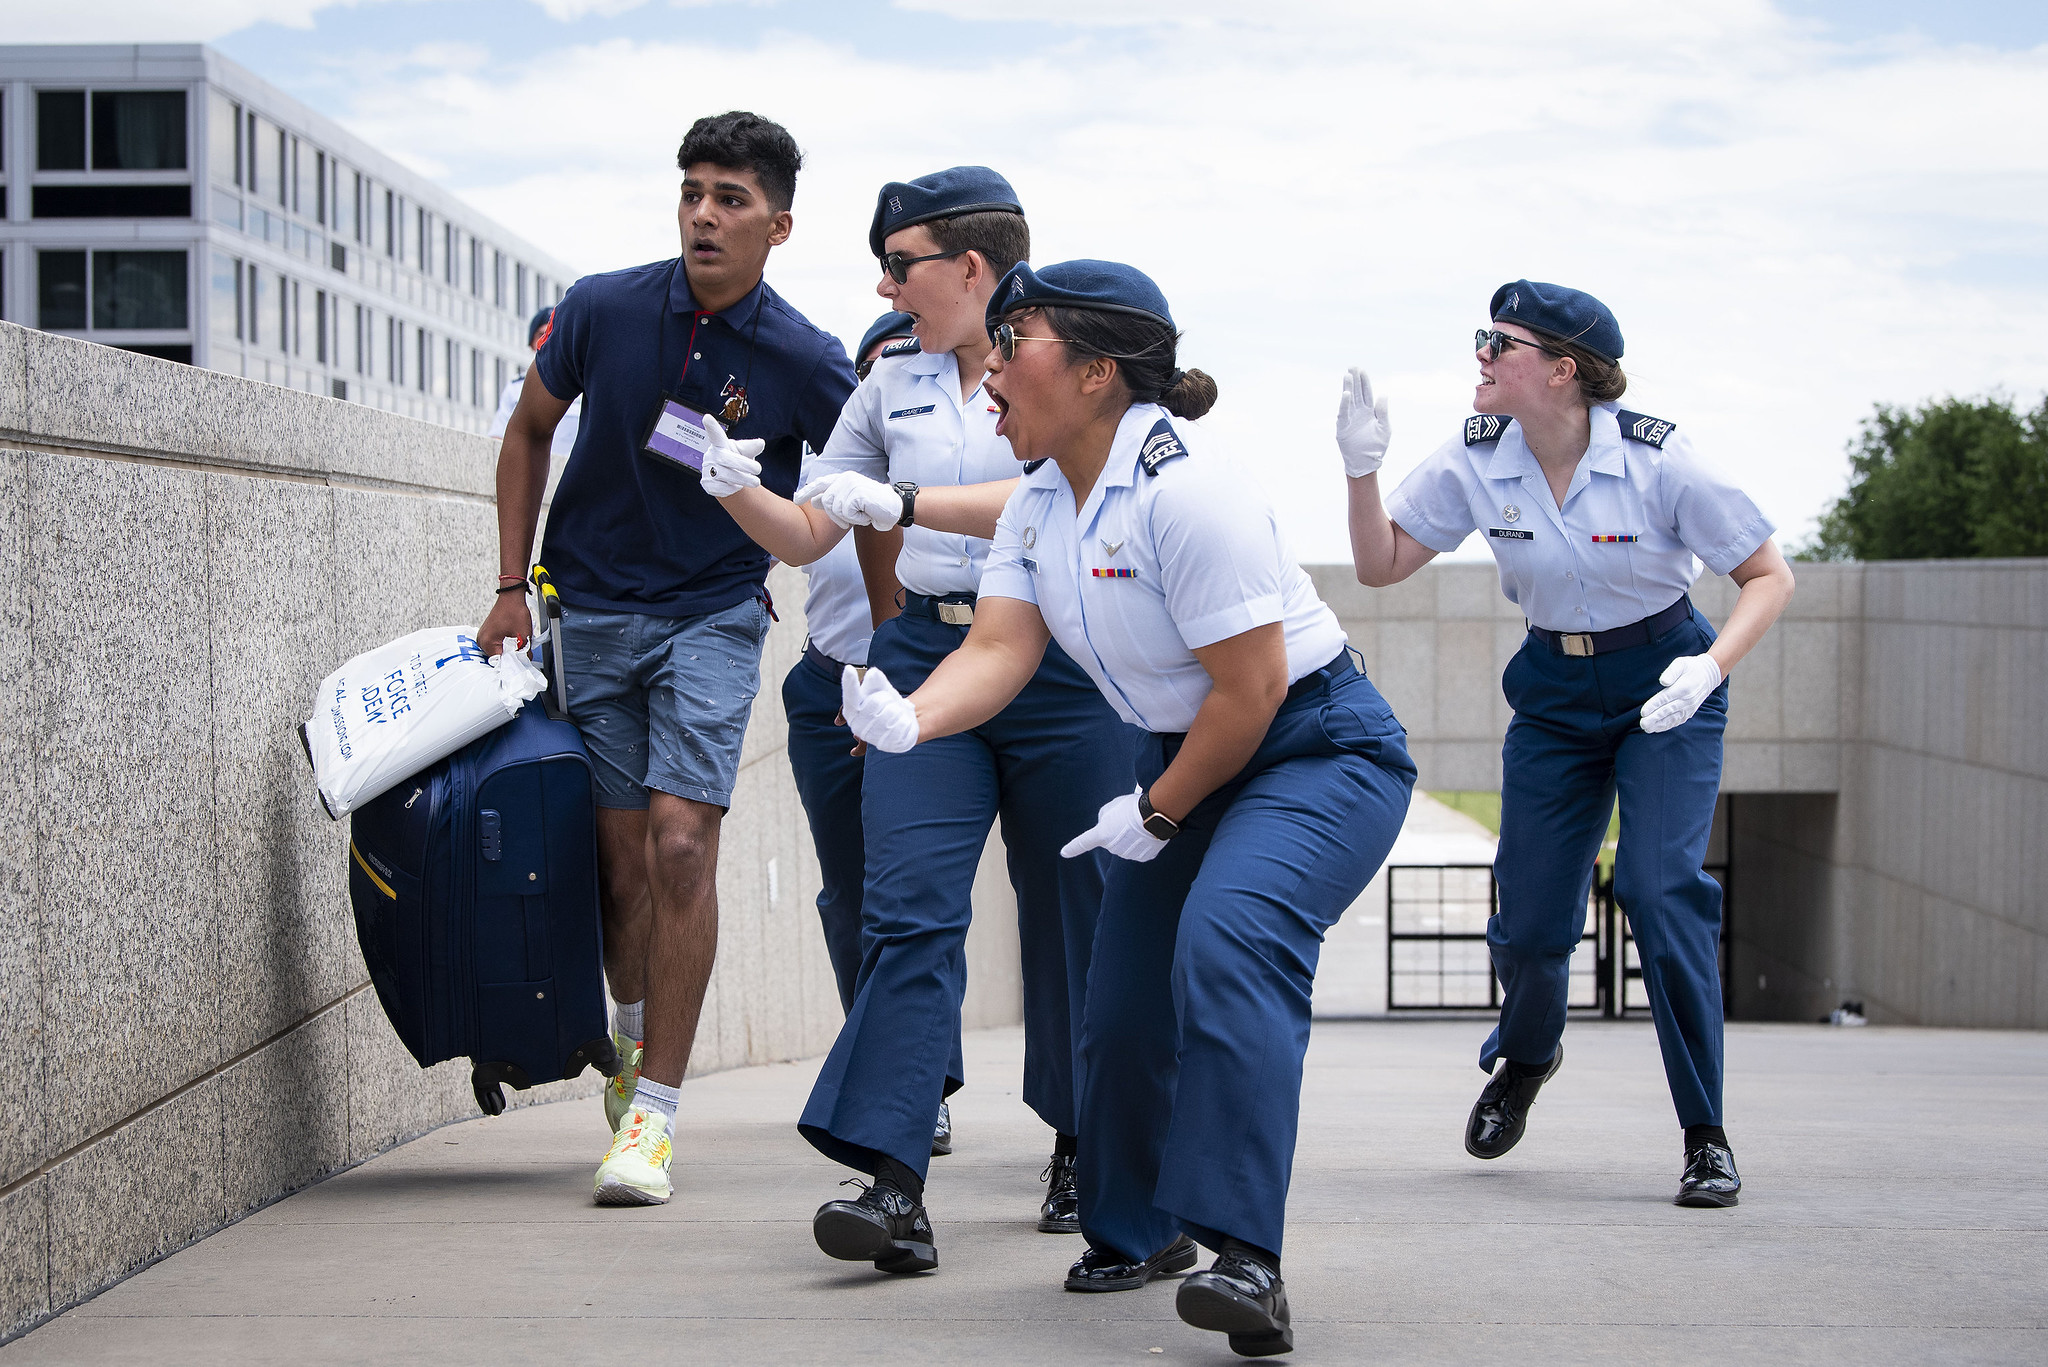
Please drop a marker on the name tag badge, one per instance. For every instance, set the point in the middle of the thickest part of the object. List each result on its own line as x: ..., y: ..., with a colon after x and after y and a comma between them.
x: 676, y: 435
x: 1511, y: 533
x: 912, y: 412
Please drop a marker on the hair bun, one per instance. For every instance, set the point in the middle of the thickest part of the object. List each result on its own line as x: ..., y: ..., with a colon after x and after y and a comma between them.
x: 1189, y: 394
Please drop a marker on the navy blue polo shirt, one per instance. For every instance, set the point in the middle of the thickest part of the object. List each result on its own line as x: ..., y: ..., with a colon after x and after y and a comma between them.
x: 629, y: 532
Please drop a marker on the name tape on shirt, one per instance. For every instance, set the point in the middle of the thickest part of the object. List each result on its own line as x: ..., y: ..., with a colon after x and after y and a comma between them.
x: 912, y: 412
x: 1511, y: 533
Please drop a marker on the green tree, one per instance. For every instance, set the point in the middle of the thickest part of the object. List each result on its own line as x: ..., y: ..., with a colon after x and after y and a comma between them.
x: 1953, y: 480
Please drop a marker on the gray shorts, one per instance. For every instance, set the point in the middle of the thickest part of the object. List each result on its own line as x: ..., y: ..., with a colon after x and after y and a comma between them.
x: 663, y: 702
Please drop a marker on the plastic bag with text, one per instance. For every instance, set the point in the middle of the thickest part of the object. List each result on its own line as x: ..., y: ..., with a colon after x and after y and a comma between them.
x: 391, y: 712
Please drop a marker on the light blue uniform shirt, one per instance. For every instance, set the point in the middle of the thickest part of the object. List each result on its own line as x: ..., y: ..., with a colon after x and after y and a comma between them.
x: 1622, y: 547
x: 836, y: 612
x: 908, y: 422
x: 1189, y: 557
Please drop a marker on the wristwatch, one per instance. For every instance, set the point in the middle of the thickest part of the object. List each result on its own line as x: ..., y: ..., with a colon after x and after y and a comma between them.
x: 906, y: 491
x: 1157, y: 824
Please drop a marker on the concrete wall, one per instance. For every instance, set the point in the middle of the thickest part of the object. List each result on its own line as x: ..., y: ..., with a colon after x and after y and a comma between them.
x: 189, y: 1028
x: 1886, y: 757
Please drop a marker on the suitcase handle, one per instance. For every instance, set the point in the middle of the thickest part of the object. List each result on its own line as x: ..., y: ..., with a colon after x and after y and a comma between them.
x: 547, y: 624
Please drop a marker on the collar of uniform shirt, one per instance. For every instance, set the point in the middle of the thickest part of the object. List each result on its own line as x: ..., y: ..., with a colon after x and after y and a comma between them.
x: 1605, y: 453
x: 739, y: 316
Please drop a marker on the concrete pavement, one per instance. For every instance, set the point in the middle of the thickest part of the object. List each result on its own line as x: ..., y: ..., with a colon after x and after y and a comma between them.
x: 1894, y: 1211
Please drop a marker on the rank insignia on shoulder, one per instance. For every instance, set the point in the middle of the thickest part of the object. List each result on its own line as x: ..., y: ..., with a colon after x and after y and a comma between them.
x: 903, y: 346
x: 1162, y: 444
x: 1647, y: 430
x: 1485, y: 427
x: 1031, y: 466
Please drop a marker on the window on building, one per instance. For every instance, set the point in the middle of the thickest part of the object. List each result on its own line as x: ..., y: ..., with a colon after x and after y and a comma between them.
x: 60, y: 290
x: 227, y: 297
x: 223, y: 139
x: 284, y: 314
x: 138, y: 130
x: 320, y: 326
x: 255, y: 303
x: 498, y: 279
x: 359, y: 204
x: 519, y: 274
x: 139, y: 290
x: 394, y: 351
x: 60, y: 130
x: 425, y: 237
x: 421, y: 351
x: 476, y: 268
x: 320, y: 188
x: 448, y: 252
x: 449, y: 370
x: 283, y: 143
x: 249, y: 155
x: 362, y: 340
x: 476, y: 378
x: 390, y: 224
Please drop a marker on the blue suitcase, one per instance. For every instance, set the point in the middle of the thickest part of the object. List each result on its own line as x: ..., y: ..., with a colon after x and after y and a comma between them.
x: 474, y: 885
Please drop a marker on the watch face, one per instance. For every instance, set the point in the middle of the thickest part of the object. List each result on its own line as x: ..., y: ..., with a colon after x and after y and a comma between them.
x: 1161, y: 827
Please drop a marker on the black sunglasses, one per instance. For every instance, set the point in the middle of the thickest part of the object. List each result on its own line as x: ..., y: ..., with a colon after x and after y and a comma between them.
x: 1006, y: 338
x: 898, y: 265
x: 1493, y: 342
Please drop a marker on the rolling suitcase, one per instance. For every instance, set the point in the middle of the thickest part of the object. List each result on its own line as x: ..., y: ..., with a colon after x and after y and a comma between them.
x: 474, y: 885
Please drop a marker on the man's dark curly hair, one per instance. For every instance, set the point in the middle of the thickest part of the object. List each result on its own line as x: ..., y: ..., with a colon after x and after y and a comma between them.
x: 746, y: 142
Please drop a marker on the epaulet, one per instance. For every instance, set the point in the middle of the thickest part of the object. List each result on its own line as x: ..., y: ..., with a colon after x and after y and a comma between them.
x: 1647, y: 430
x: 1162, y: 444
x: 901, y: 347
x: 1031, y: 466
x: 1485, y: 427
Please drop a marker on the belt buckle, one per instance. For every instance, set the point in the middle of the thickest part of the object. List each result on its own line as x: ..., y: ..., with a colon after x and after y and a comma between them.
x: 1576, y: 642
x: 962, y: 615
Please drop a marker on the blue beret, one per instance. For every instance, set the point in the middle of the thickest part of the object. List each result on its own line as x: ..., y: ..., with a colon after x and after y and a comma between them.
x: 888, y: 325
x: 1104, y: 286
x: 539, y: 321
x: 942, y: 194
x: 1571, y: 314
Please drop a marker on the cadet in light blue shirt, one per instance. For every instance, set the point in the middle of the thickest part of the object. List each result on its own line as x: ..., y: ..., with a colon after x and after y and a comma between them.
x: 1595, y: 516
x: 1271, y: 780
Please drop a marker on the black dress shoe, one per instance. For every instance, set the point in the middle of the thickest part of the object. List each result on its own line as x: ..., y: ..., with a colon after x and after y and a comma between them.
x: 1502, y: 1110
x: 1061, y: 1211
x: 1102, y: 1269
x: 1710, y: 1177
x: 942, y: 1133
x: 882, y: 1226
x: 1240, y: 1297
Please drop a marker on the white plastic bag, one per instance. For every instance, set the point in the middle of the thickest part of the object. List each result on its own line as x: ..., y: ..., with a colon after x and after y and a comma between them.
x: 391, y: 712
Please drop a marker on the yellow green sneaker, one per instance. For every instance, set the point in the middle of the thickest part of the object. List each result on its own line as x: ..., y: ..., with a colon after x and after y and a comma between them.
x: 618, y: 1091
x: 635, y: 1171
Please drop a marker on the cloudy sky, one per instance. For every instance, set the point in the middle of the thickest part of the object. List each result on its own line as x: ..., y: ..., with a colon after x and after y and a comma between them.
x: 1796, y: 209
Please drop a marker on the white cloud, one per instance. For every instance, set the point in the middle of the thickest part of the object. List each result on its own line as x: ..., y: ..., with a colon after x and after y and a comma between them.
x: 153, y: 21
x: 569, y: 11
x: 1788, y: 230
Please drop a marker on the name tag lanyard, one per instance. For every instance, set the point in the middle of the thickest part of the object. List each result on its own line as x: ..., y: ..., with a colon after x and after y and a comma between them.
x: 675, y: 431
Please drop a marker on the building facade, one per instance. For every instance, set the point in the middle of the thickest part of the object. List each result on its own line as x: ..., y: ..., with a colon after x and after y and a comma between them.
x: 161, y: 199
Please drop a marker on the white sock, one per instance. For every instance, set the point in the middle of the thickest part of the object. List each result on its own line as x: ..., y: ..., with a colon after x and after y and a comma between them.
x: 655, y: 1097
x: 630, y: 1019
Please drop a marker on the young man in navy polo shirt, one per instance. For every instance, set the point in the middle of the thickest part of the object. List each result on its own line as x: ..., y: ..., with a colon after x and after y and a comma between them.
x: 665, y: 606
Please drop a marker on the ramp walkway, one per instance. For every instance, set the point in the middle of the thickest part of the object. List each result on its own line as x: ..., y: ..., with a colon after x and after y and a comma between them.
x: 1895, y: 1212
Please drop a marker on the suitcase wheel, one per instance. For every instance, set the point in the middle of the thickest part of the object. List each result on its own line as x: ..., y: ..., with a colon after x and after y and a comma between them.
x: 488, y: 1081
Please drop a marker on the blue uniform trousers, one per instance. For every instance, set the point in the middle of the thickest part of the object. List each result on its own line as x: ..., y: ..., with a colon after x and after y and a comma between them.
x: 1198, y: 1000
x: 1045, y: 764
x: 828, y: 782
x: 1574, y: 740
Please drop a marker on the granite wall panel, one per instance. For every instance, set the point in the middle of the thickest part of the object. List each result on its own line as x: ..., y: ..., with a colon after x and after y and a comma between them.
x: 23, y: 1137
x: 24, y: 1256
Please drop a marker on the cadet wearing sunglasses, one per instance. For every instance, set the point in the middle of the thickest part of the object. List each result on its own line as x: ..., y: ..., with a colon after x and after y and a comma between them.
x: 1595, y: 515
x: 1043, y: 763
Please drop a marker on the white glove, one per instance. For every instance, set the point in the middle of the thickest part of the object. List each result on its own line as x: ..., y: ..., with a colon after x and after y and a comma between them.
x: 876, y: 712
x: 854, y: 500
x: 1687, y: 680
x: 1119, y: 829
x: 1362, y: 430
x: 730, y: 466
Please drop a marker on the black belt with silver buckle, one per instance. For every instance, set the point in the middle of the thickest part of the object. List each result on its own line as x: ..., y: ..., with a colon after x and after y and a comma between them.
x: 822, y: 660
x: 954, y: 609
x: 1582, y: 643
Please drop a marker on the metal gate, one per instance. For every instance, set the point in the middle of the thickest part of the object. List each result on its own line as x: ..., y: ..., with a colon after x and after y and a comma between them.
x: 1437, y: 958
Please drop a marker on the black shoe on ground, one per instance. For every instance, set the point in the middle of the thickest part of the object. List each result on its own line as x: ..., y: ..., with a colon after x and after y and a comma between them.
x: 1710, y: 1178
x: 881, y: 1225
x: 942, y: 1133
x: 1061, y: 1211
x: 1100, y: 1269
x: 1498, y: 1117
x: 1241, y: 1297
